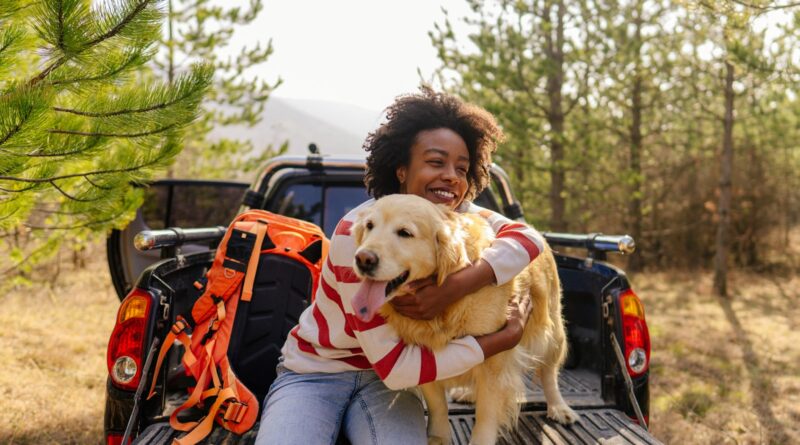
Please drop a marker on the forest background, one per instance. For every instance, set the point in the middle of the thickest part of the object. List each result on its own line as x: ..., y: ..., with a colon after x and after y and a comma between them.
x: 675, y: 122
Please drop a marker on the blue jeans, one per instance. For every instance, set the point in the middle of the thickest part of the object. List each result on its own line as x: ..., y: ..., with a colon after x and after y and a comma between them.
x: 311, y: 409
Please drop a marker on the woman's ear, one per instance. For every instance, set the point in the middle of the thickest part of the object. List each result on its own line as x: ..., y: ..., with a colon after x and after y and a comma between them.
x: 450, y: 250
x: 401, y: 173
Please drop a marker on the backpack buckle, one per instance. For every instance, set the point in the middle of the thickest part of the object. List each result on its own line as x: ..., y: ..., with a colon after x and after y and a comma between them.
x: 179, y: 326
x: 234, y: 412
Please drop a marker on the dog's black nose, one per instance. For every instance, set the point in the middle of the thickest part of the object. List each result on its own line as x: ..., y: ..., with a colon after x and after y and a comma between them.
x: 366, y: 261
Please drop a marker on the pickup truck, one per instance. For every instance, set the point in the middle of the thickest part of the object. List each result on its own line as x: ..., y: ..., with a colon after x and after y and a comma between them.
x: 155, y: 260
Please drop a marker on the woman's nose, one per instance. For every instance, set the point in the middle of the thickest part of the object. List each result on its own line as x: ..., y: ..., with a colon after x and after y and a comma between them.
x: 450, y: 174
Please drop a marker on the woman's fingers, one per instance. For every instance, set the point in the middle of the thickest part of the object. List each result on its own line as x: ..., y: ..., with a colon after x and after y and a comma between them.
x: 520, y: 309
x: 408, y: 300
x: 525, y: 306
x: 417, y: 285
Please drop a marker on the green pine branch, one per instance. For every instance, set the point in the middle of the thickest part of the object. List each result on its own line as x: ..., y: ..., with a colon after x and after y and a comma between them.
x: 79, y: 122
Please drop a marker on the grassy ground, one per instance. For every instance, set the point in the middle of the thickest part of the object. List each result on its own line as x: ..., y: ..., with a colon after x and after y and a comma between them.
x: 723, y: 371
x: 53, y: 340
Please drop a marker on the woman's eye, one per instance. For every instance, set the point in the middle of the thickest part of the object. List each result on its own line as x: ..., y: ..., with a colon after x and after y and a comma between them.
x: 369, y: 225
x: 403, y: 233
x: 436, y: 162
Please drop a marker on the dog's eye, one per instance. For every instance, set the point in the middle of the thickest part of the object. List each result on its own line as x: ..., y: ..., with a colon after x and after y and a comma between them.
x: 403, y: 233
x: 369, y: 225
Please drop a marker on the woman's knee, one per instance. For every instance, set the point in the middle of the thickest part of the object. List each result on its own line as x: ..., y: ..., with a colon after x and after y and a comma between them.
x: 385, y: 417
x: 303, y: 409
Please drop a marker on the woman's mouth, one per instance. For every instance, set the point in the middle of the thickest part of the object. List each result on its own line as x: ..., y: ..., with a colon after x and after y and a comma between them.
x: 444, y: 195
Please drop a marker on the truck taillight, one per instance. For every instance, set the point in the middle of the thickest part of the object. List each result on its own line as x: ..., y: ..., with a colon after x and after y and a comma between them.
x: 115, y: 439
x: 126, y: 345
x: 635, y: 333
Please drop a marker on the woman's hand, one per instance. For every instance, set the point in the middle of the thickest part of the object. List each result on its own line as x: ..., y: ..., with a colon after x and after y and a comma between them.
x: 519, y: 310
x: 507, y: 338
x: 425, y: 299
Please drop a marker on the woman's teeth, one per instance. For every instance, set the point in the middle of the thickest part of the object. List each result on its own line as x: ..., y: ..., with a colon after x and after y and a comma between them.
x: 444, y: 194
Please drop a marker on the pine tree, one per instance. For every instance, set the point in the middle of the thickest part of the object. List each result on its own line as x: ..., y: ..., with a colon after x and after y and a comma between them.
x: 635, y: 67
x: 200, y: 30
x: 529, y: 65
x: 78, y: 124
x: 741, y: 49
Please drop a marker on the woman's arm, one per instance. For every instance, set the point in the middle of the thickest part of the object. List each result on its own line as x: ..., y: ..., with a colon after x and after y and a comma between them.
x: 516, y: 245
x: 398, y: 364
x: 402, y: 365
x: 511, y: 334
x: 425, y: 300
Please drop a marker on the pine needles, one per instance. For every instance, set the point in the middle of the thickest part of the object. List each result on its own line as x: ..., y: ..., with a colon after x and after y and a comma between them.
x: 79, y: 123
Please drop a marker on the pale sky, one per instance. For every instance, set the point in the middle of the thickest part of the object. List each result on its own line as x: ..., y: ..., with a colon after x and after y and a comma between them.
x: 361, y: 52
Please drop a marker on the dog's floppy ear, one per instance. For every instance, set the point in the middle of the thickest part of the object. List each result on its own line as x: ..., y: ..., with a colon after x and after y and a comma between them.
x: 357, y: 230
x: 450, y: 250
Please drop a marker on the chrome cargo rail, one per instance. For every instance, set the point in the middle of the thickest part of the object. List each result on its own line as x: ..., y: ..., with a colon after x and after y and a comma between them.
x: 597, y: 242
x: 175, y: 236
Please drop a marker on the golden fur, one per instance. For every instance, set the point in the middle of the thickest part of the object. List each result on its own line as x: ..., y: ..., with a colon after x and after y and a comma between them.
x: 444, y: 242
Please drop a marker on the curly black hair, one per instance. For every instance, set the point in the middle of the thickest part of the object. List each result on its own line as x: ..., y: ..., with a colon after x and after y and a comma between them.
x: 389, y: 146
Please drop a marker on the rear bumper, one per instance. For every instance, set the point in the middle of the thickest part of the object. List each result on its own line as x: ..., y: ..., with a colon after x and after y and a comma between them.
x: 119, y: 405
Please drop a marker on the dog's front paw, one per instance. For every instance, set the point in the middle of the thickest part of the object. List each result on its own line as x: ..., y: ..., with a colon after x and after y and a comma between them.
x: 435, y: 440
x: 562, y: 414
x: 462, y: 394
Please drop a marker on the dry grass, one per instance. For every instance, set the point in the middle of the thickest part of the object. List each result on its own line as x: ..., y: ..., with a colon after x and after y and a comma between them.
x: 723, y: 371
x: 52, y: 349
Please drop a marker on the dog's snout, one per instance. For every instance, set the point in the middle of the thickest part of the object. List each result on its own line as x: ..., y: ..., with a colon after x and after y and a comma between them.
x: 366, y: 261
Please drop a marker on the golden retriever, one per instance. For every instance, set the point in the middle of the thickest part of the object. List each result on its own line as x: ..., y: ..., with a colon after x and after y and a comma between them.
x: 409, y: 238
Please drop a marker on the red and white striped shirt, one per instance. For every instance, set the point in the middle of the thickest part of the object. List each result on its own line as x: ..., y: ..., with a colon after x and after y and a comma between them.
x: 330, y: 338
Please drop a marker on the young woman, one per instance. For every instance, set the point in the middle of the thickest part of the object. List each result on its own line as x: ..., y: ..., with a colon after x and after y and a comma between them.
x: 339, y: 374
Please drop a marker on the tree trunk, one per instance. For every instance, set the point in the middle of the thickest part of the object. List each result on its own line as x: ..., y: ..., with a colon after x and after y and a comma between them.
x: 726, y: 167
x: 636, y: 262
x: 555, y: 117
x: 170, y: 69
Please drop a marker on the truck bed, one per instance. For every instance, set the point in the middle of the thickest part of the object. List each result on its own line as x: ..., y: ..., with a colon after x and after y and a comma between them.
x: 580, y: 388
x: 596, y: 426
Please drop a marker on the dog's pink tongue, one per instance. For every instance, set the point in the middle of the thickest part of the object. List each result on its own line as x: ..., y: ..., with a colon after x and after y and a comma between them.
x: 369, y: 298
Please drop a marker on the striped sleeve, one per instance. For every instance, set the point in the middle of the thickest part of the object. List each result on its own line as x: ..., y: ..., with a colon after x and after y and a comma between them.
x: 398, y: 364
x: 516, y: 245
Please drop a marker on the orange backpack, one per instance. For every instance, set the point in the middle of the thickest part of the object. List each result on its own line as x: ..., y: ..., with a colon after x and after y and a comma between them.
x: 255, y: 241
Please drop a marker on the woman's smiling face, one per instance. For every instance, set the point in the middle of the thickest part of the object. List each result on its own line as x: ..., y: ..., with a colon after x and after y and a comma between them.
x: 437, y: 167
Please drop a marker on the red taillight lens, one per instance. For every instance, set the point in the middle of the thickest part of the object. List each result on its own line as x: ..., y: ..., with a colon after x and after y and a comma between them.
x: 636, y: 421
x: 115, y: 439
x: 126, y: 345
x: 635, y: 334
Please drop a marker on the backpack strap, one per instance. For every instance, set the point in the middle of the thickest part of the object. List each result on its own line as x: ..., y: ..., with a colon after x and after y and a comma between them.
x: 199, y: 393
x: 178, y: 332
x: 227, y: 404
x: 205, y: 426
x: 252, y: 266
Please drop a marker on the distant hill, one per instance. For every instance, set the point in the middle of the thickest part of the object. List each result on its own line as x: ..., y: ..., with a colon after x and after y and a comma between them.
x: 336, y: 128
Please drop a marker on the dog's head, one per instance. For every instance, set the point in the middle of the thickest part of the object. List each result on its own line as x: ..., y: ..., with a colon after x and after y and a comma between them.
x: 399, y: 239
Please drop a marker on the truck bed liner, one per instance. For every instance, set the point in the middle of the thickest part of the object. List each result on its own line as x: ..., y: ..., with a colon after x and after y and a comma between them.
x: 579, y: 387
x: 596, y: 426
